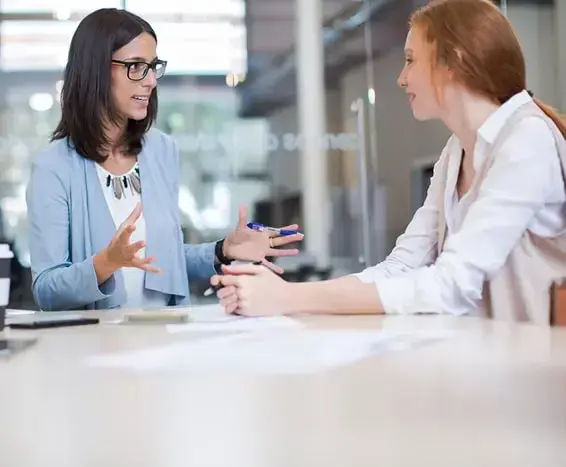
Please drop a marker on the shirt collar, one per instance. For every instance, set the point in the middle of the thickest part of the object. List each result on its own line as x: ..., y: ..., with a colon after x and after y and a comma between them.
x: 494, y: 123
x: 489, y: 130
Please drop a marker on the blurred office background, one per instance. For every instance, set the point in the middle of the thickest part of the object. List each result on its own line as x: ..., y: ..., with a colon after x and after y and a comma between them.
x: 287, y: 106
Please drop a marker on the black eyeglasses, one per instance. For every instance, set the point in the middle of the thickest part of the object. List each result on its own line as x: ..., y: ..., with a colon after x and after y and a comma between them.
x: 138, y: 70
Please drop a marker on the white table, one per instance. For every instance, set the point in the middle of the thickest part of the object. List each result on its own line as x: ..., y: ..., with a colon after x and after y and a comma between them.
x: 493, y: 395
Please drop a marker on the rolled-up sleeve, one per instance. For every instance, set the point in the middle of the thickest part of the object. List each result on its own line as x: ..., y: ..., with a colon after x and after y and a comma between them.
x: 524, y: 175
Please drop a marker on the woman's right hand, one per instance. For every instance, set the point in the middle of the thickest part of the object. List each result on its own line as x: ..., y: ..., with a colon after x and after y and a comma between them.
x: 120, y: 253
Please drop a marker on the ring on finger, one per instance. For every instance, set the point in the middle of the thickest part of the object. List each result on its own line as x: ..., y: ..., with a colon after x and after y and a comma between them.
x: 270, y: 243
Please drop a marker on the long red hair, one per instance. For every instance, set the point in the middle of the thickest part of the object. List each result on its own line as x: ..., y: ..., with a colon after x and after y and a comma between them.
x: 475, y: 40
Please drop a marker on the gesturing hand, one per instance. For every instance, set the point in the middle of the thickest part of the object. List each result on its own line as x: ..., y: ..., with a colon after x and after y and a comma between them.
x: 120, y: 253
x: 245, y: 244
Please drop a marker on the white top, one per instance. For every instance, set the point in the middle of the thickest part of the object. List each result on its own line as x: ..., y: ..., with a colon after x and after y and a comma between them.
x: 134, y: 279
x: 523, y: 190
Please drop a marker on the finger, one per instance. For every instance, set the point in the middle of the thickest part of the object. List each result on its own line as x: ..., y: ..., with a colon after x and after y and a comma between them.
x: 231, y: 300
x: 279, y: 253
x: 276, y: 269
x: 124, y: 234
x: 232, y: 308
x: 135, y: 247
x: 242, y: 308
x: 145, y: 264
x: 280, y: 241
x: 225, y: 292
x: 134, y: 215
x: 131, y: 219
x: 273, y: 233
x: 215, y: 280
x: 242, y: 217
x: 235, y: 270
x: 226, y: 281
x: 152, y: 269
x: 137, y: 261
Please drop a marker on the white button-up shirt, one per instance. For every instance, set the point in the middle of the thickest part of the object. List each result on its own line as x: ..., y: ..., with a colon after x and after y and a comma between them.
x: 523, y: 190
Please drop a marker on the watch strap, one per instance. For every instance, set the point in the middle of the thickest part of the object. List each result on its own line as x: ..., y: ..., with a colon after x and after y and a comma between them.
x: 219, y: 254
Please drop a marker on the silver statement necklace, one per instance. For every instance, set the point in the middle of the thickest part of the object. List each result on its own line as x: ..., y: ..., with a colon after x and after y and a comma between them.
x: 122, y: 184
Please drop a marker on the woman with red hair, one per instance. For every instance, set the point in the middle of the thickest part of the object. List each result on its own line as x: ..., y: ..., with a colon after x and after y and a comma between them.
x: 489, y: 239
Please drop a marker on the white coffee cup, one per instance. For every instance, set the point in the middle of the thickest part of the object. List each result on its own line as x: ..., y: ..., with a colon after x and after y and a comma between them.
x: 5, y: 267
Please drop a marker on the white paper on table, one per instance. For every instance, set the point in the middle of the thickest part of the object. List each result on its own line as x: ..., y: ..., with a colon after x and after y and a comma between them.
x: 237, y: 324
x: 212, y: 318
x: 290, y: 351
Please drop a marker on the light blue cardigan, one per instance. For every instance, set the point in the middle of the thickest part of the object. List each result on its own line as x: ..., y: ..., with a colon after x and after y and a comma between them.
x: 70, y: 222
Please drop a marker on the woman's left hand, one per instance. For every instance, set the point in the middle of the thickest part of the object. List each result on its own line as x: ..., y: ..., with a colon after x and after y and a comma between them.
x: 245, y: 244
x: 253, y: 290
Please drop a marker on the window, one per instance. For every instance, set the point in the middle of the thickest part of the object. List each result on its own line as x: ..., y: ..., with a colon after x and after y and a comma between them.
x: 194, y: 9
x: 55, y: 6
x: 35, y: 45
x: 202, y: 48
x: 196, y: 38
x: 31, y: 44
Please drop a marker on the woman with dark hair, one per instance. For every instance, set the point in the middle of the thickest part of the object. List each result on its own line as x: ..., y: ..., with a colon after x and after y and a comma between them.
x: 103, y: 197
x: 490, y: 238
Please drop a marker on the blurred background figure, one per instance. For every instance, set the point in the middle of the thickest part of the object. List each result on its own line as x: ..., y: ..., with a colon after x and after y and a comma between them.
x: 288, y: 106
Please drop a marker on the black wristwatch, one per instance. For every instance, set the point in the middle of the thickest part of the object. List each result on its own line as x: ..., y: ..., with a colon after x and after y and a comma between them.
x: 219, y: 254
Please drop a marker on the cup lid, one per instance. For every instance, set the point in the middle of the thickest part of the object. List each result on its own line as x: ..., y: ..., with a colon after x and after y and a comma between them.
x: 5, y: 251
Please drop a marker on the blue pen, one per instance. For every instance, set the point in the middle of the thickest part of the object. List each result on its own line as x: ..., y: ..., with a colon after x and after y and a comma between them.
x: 259, y: 227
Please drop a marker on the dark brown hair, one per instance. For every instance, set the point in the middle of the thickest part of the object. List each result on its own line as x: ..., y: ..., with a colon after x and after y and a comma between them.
x: 475, y: 40
x: 86, y: 98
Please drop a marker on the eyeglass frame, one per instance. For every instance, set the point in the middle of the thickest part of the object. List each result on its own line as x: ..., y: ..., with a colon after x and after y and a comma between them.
x: 152, y: 65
